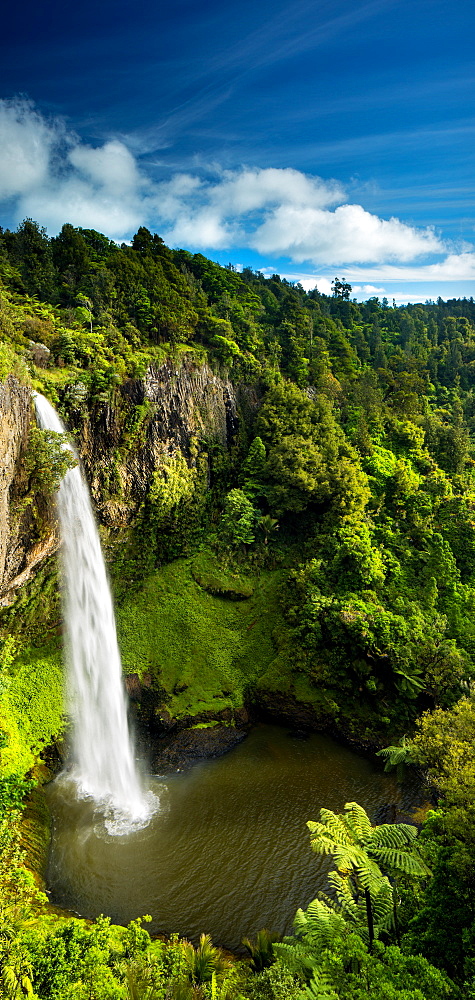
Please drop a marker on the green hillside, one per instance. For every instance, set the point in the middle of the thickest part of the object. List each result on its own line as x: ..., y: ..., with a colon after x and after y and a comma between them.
x: 320, y: 560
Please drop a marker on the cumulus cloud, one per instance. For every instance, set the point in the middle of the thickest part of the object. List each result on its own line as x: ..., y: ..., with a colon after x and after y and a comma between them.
x: 110, y: 166
x: 286, y: 213
x: 77, y: 201
x: 47, y: 172
x: 347, y: 234
x: 55, y: 178
x: 27, y: 142
x: 368, y: 290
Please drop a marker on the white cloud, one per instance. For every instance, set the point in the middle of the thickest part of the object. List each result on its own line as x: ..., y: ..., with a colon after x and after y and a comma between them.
x: 51, y: 175
x: 347, y: 234
x: 204, y: 229
x: 286, y: 213
x: 55, y: 178
x: 324, y: 286
x: 110, y: 166
x: 248, y: 190
x: 453, y: 267
x: 368, y: 290
x: 27, y: 142
x: 76, y: 201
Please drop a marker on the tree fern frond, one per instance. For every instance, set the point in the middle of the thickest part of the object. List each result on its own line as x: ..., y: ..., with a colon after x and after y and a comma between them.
x: 395, y: 756
x: 336, y: 826
x: 319, y: 925
x: 370, y: 876
x: 402, y: 861
x: 320, y: 840
x: 357, y: 819
x: 393, y: 835
x: 349, y: 857
x: 352, y: 909
x: 300, y: 923
x: 329, y: 900
x: 295, y: 956
x: 320, y: 988
x: 382, y: 903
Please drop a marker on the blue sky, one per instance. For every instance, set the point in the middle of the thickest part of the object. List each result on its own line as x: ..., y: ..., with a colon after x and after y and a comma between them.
x: 311, y: 138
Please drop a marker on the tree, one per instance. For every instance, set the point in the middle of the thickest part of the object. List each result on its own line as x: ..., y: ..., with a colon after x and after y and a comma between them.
x: 309, y: 460
x: 254, y: 468
x: 237, y: 519
x: 341, y: 289
x: 32, y: 252
x: 360, y: 849
x: 71, y: 258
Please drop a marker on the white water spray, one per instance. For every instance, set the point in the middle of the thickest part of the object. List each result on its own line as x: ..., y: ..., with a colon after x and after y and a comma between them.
x: 103, y: 757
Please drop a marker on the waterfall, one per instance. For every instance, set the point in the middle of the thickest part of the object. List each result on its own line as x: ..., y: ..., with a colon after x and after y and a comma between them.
x: 103, y: 765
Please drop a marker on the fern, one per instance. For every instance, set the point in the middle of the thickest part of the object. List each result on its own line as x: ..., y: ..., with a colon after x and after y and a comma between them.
x: 359, y: 850
x: 397, y: 756
x: 358, y: 821
x: 331, y: 825
x: 401, y: 861
x: 320, y: 988
x: 393, y: 835
x: 296, y: 957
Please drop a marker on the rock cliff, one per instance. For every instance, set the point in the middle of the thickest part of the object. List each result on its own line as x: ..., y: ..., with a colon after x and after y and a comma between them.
x: 21, y: 550
x: 177, y: 408
x: 122, y: 439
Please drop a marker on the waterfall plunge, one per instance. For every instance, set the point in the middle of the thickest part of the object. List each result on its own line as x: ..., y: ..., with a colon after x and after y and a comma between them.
x: 103, y: 765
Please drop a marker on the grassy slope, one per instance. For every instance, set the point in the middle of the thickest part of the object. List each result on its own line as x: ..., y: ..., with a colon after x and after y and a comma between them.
x: 205, y: 651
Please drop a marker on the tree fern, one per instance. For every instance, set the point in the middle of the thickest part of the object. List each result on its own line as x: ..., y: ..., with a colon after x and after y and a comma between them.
x: 359, y: 850
x: 402, y: 861
x: 398, y: 757
x: 316, y: 930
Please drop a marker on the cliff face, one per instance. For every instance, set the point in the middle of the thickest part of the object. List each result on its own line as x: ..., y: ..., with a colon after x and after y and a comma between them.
x: 177, y: 408
x: 182, y: 408
x: 21, y: 551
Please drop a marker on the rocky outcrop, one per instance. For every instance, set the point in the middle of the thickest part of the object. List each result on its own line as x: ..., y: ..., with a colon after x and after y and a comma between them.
x: 193, y: 745
x: 21, y: 551
x: 191, y: 401
x: 176, y: 408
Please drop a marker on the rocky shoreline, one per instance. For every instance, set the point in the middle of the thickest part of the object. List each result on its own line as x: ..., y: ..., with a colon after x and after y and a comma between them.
x: 180, y: 751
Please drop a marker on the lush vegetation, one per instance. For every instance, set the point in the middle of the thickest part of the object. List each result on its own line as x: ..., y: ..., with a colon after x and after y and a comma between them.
x: 328, y: 550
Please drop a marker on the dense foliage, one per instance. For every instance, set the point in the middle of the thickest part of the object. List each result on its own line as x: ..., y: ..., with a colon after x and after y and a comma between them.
x: 348, y: 497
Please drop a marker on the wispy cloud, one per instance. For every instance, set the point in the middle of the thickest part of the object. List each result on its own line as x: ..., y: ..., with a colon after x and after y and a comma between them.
x: 385, y: 143
x: 297, y: 28
x: 294, y: 30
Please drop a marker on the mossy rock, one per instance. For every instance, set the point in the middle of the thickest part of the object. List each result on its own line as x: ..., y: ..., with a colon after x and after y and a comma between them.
x: 36, y: 830
x: 215, y: 580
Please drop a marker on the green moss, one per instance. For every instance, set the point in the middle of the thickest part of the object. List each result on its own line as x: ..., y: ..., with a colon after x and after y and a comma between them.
x: 204, y: 651
x: 206, y: 725
x: 36, y: 832
x: 36, y: 611
x: 35, y: 697
x: 217, y: 580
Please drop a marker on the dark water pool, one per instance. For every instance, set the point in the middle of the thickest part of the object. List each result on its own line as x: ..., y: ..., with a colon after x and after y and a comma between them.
x: 228, y: 851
